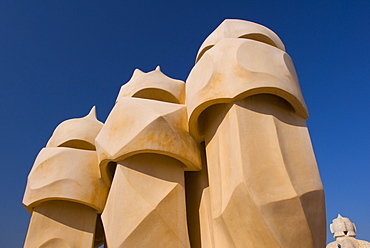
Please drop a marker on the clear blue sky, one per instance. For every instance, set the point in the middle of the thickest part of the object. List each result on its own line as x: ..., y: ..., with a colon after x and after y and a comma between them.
x: 59, y: 58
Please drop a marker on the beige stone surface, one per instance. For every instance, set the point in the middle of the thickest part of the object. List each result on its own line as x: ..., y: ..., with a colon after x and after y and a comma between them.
x: 235, y: 69
x: 61, y: 173
x: 345, y: 232
x: 348, y: 242
x: 147, y: 134
x: 146, y: 204
x: 342, y: 226
x: 77, y: 133
x: 68, y: 168
x: 154, y: 85
x: 137, y: 126
x: 263, y: 178
x: 244, y: 101
x: 205, y: 220
x: 65, y: 190
x: 61, y: 224
x: 196, y: 183
x: 234, y: 28
x: 225, y: 161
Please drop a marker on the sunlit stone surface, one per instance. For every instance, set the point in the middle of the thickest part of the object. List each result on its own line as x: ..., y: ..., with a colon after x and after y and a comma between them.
x: 147, y: 134
x: 224, y: 160
x: 65, y: 190
x: 245, y: 103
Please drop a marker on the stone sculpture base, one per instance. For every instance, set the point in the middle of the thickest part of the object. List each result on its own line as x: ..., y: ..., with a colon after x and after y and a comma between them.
x: 262, y: 176
x: 61, y: 224
x: 146, y: 204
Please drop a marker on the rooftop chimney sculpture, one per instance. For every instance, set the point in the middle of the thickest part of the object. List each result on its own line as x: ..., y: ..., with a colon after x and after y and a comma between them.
x: 345, y: 232
x: 223, y: 160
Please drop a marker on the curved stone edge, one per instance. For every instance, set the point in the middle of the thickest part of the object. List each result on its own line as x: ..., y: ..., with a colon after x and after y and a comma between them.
x: 66, y: 174
x: 154, y: 85
x: 213, y: 80
x: 77, y: 132
x: 234, y: 28
x: 137, y: 126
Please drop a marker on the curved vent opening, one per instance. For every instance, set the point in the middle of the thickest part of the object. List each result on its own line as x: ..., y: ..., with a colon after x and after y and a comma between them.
x: 156, y: 94
x: 259, y: 37
x: 203, y: 51
x: 78, y: 144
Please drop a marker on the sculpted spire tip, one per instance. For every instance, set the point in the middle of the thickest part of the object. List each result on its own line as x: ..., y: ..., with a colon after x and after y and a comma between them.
x: 153, y: 85
x: 92, y: 113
